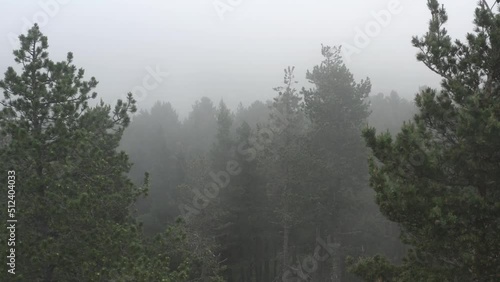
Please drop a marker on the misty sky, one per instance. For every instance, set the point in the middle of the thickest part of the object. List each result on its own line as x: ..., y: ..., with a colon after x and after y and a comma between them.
x: 237, y: 55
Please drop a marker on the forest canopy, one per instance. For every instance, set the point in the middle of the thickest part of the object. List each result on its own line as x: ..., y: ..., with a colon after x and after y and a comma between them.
x: 326, y: 183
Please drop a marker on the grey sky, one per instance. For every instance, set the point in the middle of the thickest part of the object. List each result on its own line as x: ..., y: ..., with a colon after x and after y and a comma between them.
x: 237, y: 57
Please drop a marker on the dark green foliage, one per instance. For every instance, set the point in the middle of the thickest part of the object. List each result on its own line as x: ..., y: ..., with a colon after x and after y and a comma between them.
x: 74, y: 199
x: 278, y: 191
x: 439, y: 177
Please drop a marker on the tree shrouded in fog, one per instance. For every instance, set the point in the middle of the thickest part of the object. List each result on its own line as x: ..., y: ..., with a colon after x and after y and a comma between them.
x: 387, y: 113
x: 298, y: 179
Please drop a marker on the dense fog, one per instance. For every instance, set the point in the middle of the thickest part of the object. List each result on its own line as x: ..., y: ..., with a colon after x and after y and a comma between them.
x: 250, y: 141
x: 237, y: 56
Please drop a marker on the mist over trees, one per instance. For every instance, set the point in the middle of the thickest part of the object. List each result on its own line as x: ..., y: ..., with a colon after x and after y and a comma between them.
x: 325, y: 183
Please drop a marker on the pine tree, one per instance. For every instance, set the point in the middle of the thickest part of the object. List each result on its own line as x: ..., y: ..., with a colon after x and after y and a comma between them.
x: 337, y: 109
x: 200, y: 128
x: 439, y: 178
x: 284, y: 163
x: 223, y: 139
x: 72, y: 195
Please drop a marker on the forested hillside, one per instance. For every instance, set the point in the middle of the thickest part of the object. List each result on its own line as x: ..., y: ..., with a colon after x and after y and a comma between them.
x: 329, y: 182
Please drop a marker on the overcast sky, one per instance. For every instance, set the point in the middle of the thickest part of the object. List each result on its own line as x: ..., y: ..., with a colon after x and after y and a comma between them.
x: 230, y: 49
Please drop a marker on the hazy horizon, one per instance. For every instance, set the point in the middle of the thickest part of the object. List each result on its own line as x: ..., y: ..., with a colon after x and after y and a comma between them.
x: 237, y: 54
